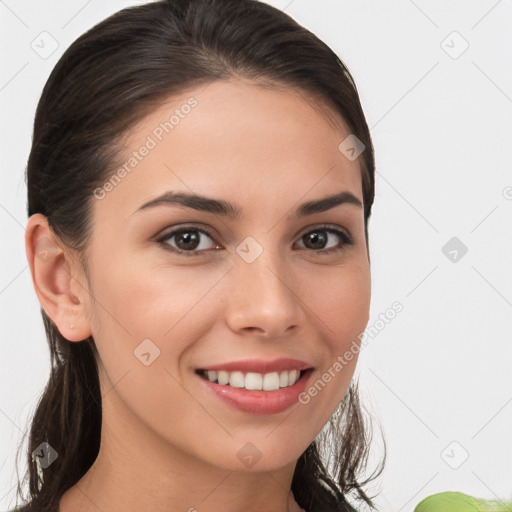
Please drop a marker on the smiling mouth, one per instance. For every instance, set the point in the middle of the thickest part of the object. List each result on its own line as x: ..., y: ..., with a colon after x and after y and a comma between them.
x: 271, y: 381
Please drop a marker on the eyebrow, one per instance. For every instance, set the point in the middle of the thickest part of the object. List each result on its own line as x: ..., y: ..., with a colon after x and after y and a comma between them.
x: 226, y: 209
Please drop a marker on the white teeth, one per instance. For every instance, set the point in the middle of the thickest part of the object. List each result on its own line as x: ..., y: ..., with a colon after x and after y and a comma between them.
x: 254, y: 381
x: 271, y: 381
x: 223, y: 377
x: 236, y: 379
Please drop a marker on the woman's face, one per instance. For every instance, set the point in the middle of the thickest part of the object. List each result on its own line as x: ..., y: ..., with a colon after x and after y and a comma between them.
x: 271, y: 283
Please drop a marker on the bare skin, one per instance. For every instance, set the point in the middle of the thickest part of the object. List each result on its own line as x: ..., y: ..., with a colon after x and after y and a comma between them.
x: 169, y: 445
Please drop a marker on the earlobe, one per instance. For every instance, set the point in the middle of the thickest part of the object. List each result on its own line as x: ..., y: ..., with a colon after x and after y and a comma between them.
x: 54, y: 276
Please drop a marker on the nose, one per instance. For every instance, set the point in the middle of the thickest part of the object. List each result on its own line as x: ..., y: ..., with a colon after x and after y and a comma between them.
x: 263, y: 299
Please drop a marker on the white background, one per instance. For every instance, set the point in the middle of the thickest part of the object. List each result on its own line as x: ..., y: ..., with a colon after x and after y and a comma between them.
x: 439, y: 372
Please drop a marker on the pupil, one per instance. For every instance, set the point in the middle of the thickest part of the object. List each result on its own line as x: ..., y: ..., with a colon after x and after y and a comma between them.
x: 188, y: 239
x: 317, y: 239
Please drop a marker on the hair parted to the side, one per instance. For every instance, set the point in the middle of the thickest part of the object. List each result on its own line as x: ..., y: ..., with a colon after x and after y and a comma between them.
x: 109, y: 79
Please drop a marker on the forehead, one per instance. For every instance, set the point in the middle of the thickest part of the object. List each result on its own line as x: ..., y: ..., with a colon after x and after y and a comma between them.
x: 236, y: 139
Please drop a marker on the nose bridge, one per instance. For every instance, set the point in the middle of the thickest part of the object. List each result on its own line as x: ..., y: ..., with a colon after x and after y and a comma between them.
x: 262, y: 291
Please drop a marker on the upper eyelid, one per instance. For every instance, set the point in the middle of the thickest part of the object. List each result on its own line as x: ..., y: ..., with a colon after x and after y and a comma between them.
x: 174, y: 230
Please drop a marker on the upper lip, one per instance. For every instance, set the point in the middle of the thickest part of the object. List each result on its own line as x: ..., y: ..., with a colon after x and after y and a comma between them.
x: 261, y: 365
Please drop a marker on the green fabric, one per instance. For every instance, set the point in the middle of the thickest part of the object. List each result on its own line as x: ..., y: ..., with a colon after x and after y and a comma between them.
x: 459, y: 502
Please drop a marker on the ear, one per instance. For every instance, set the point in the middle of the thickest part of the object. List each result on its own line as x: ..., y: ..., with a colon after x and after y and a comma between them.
x: 58, y: 279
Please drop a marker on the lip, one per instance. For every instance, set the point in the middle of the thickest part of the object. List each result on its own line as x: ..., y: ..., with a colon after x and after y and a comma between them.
x: 261, y: 365
x: 258, y: 402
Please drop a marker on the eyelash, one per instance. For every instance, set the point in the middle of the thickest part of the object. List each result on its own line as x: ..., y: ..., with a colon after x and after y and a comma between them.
x: 346, y: 239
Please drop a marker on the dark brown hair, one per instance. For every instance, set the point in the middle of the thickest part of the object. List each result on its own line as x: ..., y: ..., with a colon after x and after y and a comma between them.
x: 109, y: 79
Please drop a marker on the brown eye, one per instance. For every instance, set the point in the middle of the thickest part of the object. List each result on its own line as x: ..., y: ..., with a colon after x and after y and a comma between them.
x: 188, y: 241
x: 320, y: 238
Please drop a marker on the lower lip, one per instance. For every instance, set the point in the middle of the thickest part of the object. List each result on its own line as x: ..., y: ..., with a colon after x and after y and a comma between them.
x: 259, y: 402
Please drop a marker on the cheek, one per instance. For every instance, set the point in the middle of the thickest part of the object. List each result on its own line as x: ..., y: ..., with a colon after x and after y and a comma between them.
x: 137, y: 302
x: 341, y: 303
x: 147, y: 319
